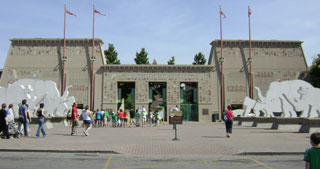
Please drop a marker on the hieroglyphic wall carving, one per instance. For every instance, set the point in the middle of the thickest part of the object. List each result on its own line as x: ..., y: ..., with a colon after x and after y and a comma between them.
x: 142, y: 80
x: 79, y: 81
x: 235, y: 87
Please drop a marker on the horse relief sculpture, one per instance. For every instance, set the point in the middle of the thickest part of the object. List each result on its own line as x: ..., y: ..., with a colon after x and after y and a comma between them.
x: 35, y: 92
x: 286, y: 98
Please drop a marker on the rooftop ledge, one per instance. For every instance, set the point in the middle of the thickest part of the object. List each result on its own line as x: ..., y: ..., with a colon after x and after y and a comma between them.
x: 53, y: 40
x: 170, y: 67
x: 217, y: 41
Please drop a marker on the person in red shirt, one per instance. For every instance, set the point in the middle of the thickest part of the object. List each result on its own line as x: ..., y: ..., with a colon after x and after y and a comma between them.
x: 125, y: 118
x: 121, y: 116
x: 229, y: 121
x: 74, y: 119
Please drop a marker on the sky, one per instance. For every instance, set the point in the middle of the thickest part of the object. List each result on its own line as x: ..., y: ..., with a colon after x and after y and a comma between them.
x: 165, y: 28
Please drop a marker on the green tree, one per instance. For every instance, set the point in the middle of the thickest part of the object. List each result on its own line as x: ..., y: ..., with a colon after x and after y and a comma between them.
x: 314, y: 72
x: 142, y: 57
x: 111, y: 55
x: 129, y: 102
x: 199, y: 59
x: 171, y: 61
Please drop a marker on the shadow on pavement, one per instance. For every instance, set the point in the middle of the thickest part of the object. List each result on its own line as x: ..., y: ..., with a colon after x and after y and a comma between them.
x: 213, y: 136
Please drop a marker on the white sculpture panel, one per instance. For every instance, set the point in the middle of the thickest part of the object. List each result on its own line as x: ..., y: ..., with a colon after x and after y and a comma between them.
x: 287, y: 98
x: 35, y: 92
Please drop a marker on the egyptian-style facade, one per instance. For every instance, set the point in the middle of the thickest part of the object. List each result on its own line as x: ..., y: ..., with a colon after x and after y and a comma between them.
x: 272, y: 60
x: 42, y: 59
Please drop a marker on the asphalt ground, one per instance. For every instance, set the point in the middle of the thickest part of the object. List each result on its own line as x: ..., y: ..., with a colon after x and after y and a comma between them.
x: 31, y: 160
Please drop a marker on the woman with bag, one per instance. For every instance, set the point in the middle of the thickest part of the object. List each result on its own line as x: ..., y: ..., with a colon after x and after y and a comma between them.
x: 229, y: 121
x: 41, y: 116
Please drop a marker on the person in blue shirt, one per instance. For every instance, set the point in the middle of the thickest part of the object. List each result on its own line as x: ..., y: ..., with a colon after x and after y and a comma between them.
x: 98, y: 118
x: 24, y: 117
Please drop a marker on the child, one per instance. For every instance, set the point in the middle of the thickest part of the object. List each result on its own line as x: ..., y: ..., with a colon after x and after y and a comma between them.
x: 105, y: 119
x: 125, y: 118
x: 114, y: 119
x: 144, y: 117
x: 312, y: 155
x: 150, y: 118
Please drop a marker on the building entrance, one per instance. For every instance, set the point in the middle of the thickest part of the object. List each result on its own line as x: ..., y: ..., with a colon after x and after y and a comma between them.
x: 189, y: 101
x: 126, y: 95
x: 158, y: 98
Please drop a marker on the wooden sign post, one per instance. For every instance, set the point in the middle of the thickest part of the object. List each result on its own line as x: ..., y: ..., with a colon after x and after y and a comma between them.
x: 174, y: 119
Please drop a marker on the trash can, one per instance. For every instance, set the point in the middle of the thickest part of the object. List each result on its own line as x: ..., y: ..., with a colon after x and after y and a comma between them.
x: 214, y: 117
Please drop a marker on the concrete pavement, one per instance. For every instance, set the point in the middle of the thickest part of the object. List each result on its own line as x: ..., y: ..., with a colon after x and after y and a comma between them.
x: 195, y: 139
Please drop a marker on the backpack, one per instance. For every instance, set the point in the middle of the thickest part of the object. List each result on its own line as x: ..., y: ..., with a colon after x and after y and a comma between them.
x: 225, y: 118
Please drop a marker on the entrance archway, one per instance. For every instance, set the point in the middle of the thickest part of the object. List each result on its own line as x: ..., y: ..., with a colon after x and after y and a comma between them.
x: 158, y: 98
x: 189, y: 101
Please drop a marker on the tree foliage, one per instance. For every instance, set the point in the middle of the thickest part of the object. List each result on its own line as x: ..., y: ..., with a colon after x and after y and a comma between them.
x: 199, y: 59
x: 314, y: 72
x: 129, y: 102
x: 111, y: 55
x: 171, y: 61
x: 142, y: 57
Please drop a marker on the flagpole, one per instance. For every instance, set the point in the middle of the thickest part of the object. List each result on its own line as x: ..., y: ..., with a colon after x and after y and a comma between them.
x: 92, y: 59
x: 221, y: 60
x: 64, y: 52
x: 250, y: 57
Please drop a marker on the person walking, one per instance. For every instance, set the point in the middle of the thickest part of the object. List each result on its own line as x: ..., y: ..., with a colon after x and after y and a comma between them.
x: 125, y: 118
x: 114, y: 119
x: 121, y: 117
x: 87, y: 120
x: 69, y: 120
x: 24, y: 117
x: 41, y: 116
x: 144, y: 116
x: 74, y: 119
x: 132, y: 117
x: 98, y: 118
x: 10, y: 114
x: 137, y: 118
x: 229, y: 121
x: 4, y: 121
x: 105, y: 118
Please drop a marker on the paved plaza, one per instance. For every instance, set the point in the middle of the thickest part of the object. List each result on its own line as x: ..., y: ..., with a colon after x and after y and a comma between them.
x: 195, y: 139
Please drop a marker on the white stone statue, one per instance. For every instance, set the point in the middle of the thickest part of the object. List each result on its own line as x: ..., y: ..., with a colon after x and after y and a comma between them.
x: 287, y: 97
x: 35, y: 92
x: 308, y: 102
x: 254, y: 105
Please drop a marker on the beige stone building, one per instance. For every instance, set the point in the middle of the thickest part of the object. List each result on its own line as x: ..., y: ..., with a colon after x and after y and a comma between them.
x: 194, y: 88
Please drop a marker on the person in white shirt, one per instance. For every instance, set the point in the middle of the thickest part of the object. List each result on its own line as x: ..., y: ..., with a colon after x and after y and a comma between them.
x: 10, y: 114
x: 144, y: 116
x: 87, y: 120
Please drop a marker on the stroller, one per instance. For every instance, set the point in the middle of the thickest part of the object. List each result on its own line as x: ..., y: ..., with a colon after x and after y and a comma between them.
x: 14, y: 131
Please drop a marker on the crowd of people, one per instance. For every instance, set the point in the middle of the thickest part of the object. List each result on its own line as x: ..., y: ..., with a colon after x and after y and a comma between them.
x: 98, y: 118
x: 7, y: 119
x: 102, y: 118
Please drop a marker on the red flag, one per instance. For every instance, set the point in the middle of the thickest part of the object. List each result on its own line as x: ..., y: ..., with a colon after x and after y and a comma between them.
x: 68, y: 12
x: 249, y: 12
x: 95, y: 11
x: 222, y: 13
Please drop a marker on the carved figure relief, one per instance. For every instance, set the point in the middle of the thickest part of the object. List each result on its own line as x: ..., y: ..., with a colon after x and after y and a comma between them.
x: 287, y: 98
x: 35, y: 92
